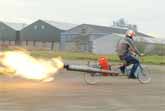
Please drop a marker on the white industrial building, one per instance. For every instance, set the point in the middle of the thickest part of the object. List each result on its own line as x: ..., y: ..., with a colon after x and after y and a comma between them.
x: 107, y: 44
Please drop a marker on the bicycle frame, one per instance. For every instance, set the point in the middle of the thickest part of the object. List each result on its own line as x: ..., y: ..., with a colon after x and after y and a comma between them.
x: 139, y: 70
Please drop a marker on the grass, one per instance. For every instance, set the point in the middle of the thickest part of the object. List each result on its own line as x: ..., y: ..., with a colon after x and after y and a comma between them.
x: 153, y: 59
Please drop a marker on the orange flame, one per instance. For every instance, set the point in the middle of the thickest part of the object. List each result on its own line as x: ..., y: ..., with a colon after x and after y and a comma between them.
x: 26, y: 66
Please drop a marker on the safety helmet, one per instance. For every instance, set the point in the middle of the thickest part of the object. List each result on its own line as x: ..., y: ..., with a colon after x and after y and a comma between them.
x: 130, y: 33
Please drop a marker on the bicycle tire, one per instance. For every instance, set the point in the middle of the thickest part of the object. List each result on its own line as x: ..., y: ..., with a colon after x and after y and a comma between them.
x: 144, y: 76
x: 91, y: 78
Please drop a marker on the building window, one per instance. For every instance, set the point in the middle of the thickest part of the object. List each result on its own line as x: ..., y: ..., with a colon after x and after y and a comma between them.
x: 35, y: 27
x: 43, y: 27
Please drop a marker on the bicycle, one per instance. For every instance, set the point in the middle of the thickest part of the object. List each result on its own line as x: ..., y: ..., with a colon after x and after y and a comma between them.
x: 142, y: 74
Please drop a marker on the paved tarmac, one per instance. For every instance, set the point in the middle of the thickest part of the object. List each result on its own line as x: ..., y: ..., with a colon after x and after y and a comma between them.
x: 69, y: 92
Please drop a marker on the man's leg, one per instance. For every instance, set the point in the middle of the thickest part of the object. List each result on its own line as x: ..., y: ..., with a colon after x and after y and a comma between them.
x: 135, y: 63
x: 134, y: 68
x: 122, y: 69
x: 123, y: 66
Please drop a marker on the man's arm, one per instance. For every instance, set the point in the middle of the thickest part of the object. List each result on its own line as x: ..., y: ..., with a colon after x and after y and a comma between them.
x: 133, y: 47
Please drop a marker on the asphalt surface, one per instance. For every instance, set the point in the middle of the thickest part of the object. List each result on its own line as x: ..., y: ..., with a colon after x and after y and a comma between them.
x: 69, y: 92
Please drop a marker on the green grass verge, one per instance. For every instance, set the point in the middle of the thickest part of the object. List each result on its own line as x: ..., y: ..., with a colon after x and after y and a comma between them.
x: 154, y: 59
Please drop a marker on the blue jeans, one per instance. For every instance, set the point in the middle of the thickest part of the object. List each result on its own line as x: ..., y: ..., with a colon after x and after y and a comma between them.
x: 132, y: 60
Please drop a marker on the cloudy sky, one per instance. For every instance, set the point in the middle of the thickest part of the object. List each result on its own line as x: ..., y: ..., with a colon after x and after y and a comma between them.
x: 149, y: 15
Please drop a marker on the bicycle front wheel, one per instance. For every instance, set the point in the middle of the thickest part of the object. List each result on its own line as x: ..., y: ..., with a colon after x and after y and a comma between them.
x: 144, y: 76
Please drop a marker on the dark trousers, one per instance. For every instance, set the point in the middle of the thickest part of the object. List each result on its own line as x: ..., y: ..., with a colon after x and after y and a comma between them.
x: 131, y: 60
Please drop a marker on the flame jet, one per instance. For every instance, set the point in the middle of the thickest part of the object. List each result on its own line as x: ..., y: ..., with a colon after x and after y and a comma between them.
x: 22, y: 64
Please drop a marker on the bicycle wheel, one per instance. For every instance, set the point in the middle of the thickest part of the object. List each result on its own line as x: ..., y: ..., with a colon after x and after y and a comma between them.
x: 144, y: 75
x: 91, y: 78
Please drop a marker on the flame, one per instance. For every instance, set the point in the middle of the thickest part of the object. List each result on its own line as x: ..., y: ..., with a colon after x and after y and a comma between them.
x: 21, y: 64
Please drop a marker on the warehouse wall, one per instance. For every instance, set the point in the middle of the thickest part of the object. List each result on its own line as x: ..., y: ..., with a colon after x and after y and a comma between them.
x: 39, y: 45
x: 7, y: 33
x: 40, y: 31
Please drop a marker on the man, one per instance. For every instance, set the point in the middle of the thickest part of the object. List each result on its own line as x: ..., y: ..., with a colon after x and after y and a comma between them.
x: 125, y: 50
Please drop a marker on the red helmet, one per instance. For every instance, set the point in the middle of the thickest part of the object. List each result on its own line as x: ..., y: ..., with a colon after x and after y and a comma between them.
x: 130, y: 33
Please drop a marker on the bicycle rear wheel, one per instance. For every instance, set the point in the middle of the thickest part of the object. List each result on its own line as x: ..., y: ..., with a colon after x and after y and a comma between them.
x: 144, y: 76
x: 91, y: 78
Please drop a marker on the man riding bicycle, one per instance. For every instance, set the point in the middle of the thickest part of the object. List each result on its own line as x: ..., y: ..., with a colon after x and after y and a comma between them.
x: 125, y: 50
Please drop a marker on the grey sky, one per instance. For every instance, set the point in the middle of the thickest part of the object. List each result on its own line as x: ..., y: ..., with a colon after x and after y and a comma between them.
x: 149, y: 15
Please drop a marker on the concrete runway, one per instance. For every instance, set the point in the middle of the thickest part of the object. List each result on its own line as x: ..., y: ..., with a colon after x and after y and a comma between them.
x: 69, y: 92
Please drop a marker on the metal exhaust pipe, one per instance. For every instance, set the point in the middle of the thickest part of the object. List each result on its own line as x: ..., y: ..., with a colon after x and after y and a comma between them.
x: 81, y: 68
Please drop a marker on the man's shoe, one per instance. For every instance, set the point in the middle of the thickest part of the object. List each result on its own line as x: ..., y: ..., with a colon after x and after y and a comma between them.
x: 131, y: 76
x: 122, y: 69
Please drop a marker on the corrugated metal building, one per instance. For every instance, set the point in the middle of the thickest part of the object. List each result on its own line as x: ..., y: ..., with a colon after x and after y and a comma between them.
x: 43, y: 35
x: 61, y: 25
x: 81, y: 38
x: 10, y: 33
x: 107, y: 44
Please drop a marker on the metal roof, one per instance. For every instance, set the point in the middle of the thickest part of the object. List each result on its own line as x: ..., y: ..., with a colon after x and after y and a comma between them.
x: 60, y: 25
x: 151, y: 40
x: 137, y: 38
x: 16, y: 26
x: 108, y: 30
